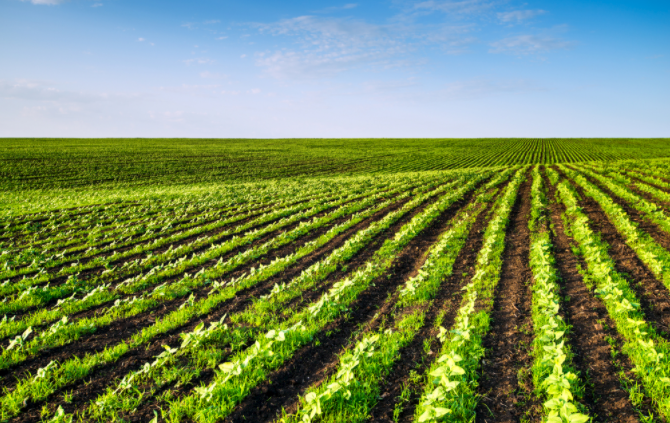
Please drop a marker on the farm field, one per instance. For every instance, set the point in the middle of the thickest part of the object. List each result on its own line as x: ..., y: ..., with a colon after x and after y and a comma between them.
x: 335, y: 281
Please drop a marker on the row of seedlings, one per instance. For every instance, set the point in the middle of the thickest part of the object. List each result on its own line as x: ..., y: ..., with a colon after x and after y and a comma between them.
x: 246, y: 369
x: 450, y: 391
x: 130, y: 267
x: 353, y: 389
x: 62, y: 374
x: 655, y: 257
x: 171, y: 233
x: 646, y: 349
x: 554, y: 375
x: 190, y: 359
x: 63, y: 332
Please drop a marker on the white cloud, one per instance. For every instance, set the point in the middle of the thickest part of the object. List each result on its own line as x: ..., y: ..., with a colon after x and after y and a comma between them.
x: 96, y: 5
x: 222, y: 38
x: 529, y: 44
x: 212, y: 22
x: 519, y: 15
x: 46, y: 2
x: 254, y: 91
x: 141, y: 39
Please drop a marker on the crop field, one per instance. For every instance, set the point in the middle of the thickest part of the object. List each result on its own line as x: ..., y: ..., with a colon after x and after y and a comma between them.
x: 335, y: 281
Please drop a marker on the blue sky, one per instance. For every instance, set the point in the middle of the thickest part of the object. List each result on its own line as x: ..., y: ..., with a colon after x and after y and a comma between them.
x: 397, y: 68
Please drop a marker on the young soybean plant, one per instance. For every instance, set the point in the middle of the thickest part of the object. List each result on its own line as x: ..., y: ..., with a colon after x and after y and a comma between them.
x: 553, y: 374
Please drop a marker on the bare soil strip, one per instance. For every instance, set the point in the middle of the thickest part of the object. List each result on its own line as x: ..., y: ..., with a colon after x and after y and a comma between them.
x: 313, y: 364
x: 505, y: 398
x: 88, y: 389
x: 654, y: 297
x: 414, y: 358
x: 591, y: 326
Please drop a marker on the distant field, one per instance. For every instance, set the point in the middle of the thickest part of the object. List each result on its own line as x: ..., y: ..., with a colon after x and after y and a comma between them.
x: 65, y: 163
x: 335, y: 281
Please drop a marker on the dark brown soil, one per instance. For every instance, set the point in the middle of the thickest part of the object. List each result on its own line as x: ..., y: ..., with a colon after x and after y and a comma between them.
x: 654, y: 298
x: 413, y: 358
x: 312, y: 364
x: 591, y: 326
x: 506, y: 398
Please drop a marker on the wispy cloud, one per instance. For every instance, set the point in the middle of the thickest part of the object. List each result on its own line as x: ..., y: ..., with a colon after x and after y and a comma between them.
x: 529, y: 44
x: 96, y: 5
x: 332, y: 9
x: 211, y: 22
x: 411, y: 90
x: 44, y: 92
x: 328, y: 46
x: 198, y: 61
x: 46, y: 2
x: 517, y: 16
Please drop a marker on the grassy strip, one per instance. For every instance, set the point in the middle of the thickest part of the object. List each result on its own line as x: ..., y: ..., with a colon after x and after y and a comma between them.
x: 248, y: 368
x: 554, y: 377
x: 353, y: 390
x: 645, y: 348
x: 451, y: 388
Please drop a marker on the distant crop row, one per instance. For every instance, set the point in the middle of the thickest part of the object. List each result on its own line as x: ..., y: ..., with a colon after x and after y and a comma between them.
x: 142, y: 163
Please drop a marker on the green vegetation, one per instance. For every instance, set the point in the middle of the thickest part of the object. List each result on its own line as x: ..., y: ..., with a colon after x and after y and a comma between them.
x: 325, y: 280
